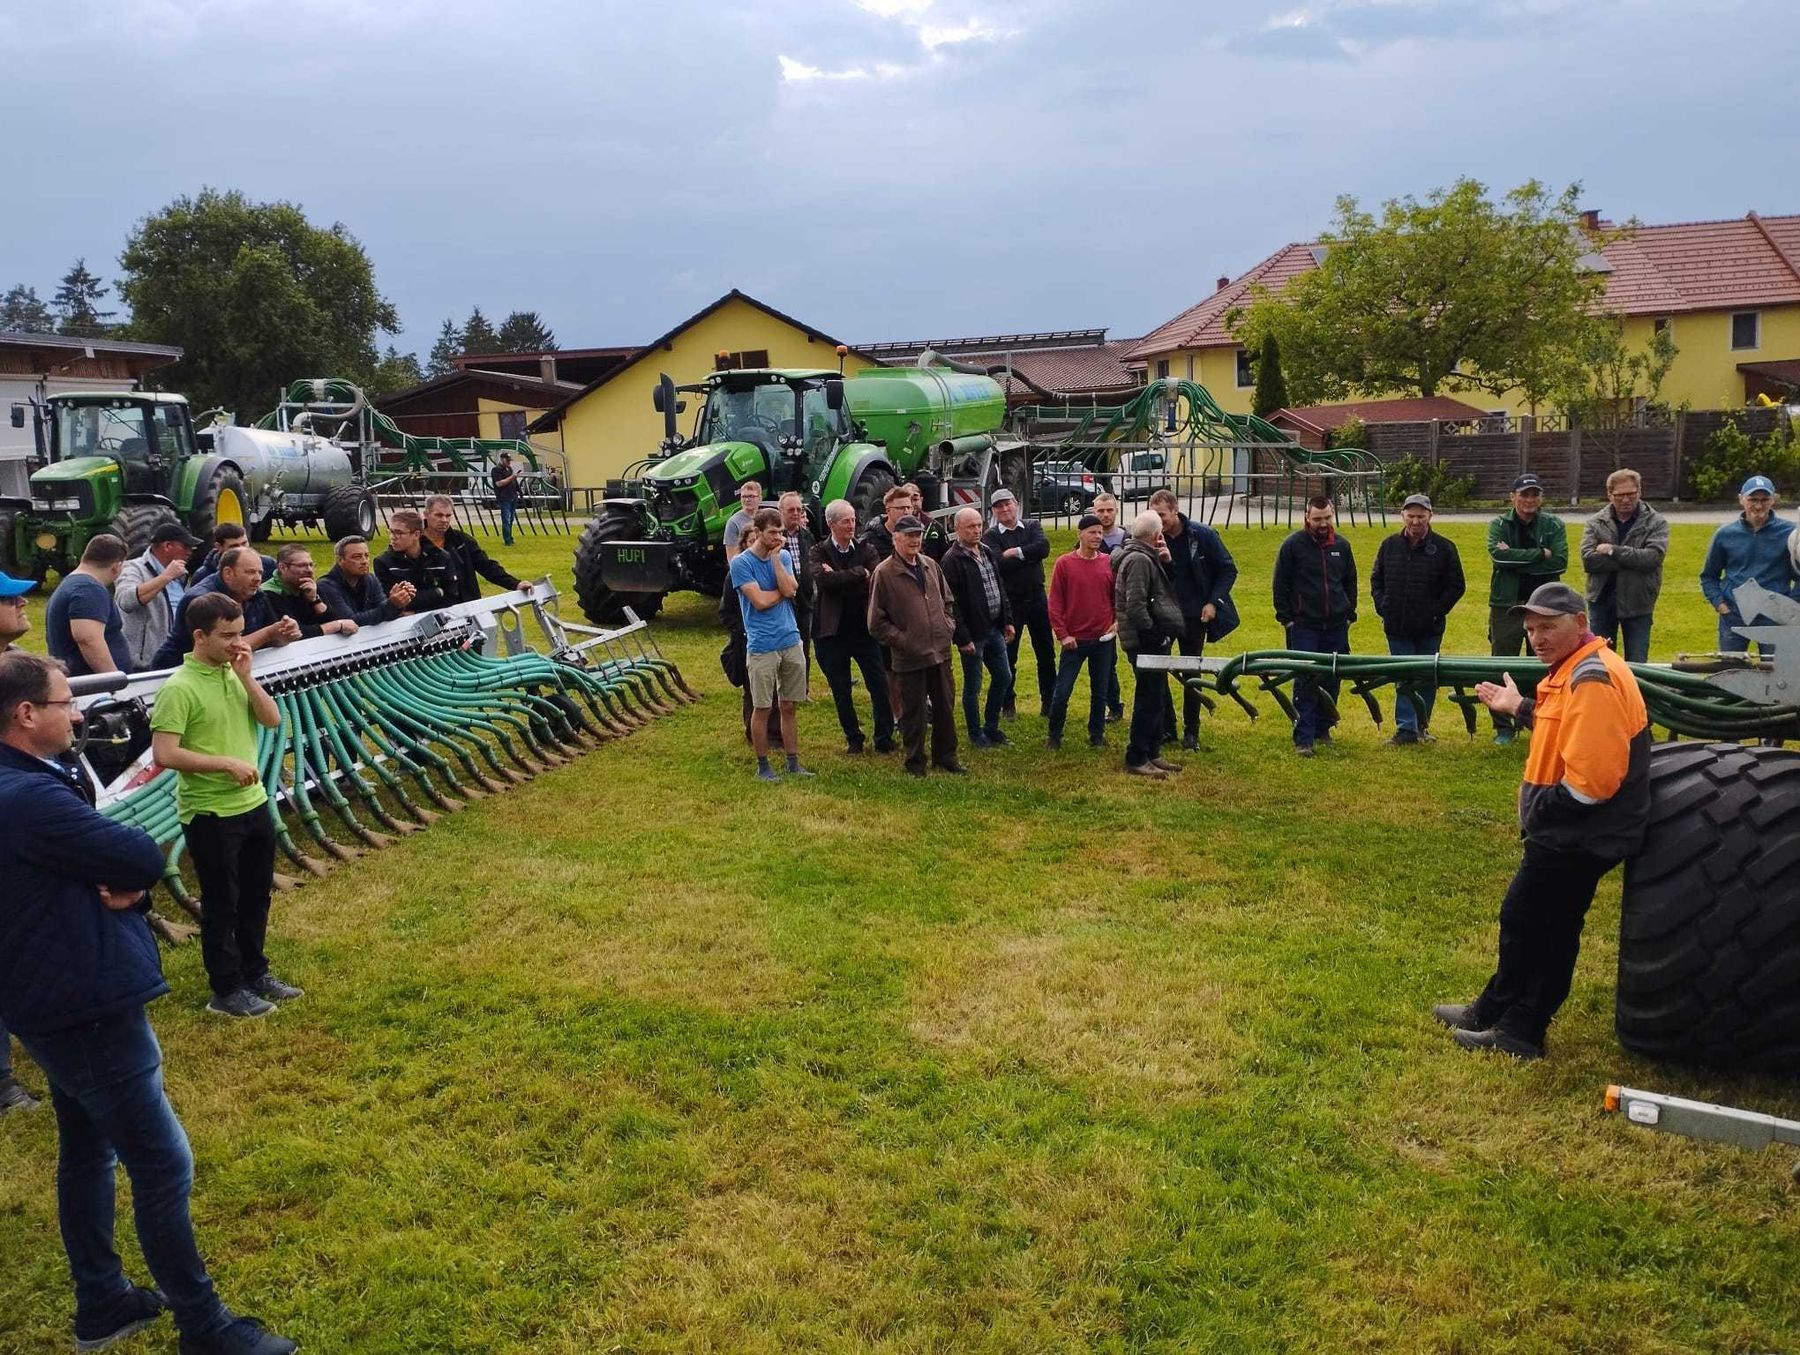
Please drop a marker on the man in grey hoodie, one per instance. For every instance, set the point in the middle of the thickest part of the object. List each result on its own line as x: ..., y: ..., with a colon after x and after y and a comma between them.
x: 1149, y: 618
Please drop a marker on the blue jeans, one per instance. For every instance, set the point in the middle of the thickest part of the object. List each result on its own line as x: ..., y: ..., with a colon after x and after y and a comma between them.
x: 1413, y: 711
x: 106, y: 1084
x: 1737, y: 644
x: 991, y: 651
x: 509, y: 510
x: 1098, y: 656
x: 1309, y: 720
x: 1604, y: 620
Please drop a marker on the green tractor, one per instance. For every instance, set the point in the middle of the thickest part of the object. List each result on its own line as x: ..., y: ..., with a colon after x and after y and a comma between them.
x: 815, y: 431
x: 125, y: 462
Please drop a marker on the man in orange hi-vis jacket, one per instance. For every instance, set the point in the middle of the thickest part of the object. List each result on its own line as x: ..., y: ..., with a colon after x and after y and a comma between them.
x: 1582, y: 809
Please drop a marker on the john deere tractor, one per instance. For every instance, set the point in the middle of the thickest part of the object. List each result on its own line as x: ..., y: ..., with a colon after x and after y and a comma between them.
x: 125, y: 462
x: 815, y: 431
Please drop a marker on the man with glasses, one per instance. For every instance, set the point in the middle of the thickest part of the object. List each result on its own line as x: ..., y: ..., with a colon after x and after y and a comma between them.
x: 1622, y: 549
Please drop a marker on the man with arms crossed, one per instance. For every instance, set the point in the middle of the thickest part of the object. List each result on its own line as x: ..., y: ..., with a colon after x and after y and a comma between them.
x: 762, y: 574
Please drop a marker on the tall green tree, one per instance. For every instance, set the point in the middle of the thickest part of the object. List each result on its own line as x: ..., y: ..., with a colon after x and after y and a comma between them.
x: 396, y: 371
x: 255, y: 294
x: 525, y: 332
x: 1610, y: 383
x: 77, y: 302
x: 1458, y: 292
x: 479, y: 335
x: 1271, y: 391
x: 441, y: 360
x: 22, y: 309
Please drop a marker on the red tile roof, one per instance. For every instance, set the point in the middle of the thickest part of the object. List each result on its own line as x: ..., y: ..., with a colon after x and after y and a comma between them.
x: 1203, y: 325
x: 1655, y: 270
x: 1324, y: 418
x: 1068, y: 371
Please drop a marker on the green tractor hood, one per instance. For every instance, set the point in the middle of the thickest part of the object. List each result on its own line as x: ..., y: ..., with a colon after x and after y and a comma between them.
x: 75, y: 468
x: 744, y: 460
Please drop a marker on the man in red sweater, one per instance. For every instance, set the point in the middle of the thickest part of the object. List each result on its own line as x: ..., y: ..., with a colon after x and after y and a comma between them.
x: 1081, y: 618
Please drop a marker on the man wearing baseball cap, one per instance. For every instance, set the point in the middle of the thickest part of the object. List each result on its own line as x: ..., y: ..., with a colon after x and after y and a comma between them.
x: 1583, y: 807
x: 1528, y: 548
x: 150, y: 588
x: 1754, y: 546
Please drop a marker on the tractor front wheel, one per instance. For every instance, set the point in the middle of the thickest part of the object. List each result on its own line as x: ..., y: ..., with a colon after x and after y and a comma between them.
x: 137, y: 523
x: 1709, y: 928
x: 603, y: 606
x: 220, y: 499
x: 866, y: 495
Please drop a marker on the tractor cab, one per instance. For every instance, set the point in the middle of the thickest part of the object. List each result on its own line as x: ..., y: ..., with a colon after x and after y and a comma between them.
x: 144, y: 436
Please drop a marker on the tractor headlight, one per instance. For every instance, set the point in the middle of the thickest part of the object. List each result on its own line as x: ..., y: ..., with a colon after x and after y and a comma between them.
x: 71, y: 505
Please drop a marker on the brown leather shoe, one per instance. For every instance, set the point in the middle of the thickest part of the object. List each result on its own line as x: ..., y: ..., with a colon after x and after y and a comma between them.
x: 1165, y: 764
x: 1149, y: 770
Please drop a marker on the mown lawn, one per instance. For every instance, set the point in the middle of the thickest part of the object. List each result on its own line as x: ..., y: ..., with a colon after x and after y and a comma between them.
x: 644, y: 1056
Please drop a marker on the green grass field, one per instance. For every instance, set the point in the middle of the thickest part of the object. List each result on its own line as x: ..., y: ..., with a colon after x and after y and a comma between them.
x: 643, y: 1056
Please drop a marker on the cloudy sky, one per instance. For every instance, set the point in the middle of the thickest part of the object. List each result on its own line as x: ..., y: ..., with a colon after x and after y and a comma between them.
x: 884, y: 169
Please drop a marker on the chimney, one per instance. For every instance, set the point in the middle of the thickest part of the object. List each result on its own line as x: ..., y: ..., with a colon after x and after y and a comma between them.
x: 1224, y: 282
x: 1590, y: 219
x: 547, y: 366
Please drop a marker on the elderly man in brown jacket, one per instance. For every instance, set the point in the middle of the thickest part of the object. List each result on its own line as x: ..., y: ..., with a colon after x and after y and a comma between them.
x: 912, y: 613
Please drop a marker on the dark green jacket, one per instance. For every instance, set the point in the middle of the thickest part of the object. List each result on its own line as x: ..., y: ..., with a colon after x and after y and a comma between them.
x: 1144, y: 601
x: 1517, y: 551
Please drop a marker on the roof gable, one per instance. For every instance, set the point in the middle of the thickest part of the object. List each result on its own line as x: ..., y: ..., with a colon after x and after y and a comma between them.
x: 553, y: 416
x: 1705, y: 265
x: 1203, y: 325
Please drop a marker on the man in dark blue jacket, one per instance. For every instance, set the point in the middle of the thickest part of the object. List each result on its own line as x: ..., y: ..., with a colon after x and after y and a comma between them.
x: 1315, y: 600
x: 77, y: 966
x: 351, y: 589
x: 1203, y: 573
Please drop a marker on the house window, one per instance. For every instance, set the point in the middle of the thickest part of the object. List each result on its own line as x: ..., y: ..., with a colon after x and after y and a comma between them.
x: 1246, y: 376
x: 749, y: 357
x: 1162, y: 369
x: 1746, y: 329
x: 512, y: 424
x: 1661, y: 325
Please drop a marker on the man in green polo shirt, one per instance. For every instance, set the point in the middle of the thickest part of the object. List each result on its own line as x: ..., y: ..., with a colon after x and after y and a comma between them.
x: 203, y: 728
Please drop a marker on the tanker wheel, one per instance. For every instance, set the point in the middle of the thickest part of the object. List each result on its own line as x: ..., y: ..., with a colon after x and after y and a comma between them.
x: 1015, y: 474
x: 262, y: 531
x: 602, y: 605
x: 220, y: 499
x: 867, y: 493
x: 350, y: 511
x: 1709, y: 934
x: 137, y: 523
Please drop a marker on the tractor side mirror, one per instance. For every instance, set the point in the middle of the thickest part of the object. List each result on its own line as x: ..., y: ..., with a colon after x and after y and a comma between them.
x: 667, y: 405
x: 834, y: 395
x: 656, y: 397
x: 18, y: 416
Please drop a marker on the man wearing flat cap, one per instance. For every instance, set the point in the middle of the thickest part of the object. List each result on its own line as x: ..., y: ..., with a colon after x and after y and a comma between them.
x: 912, y: 614
x: 1418, y: 578
x: 1528, y: 548
x: 1583, y: 807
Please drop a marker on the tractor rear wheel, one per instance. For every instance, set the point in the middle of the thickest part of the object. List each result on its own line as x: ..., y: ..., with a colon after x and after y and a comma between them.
x: 220, y: 499
x: 603, y: 606
x: 350, y: 511
x: 137, y: 523
x: 866, y: 494
x: 1709, y: 932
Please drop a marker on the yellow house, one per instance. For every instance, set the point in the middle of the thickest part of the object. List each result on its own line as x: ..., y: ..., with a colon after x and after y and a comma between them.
x: 610, y: 422
x: 1729, y: 291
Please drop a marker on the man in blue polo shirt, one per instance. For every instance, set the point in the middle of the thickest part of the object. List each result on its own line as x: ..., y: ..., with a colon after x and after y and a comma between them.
x: 762, y: 575
x: 1753, y: 546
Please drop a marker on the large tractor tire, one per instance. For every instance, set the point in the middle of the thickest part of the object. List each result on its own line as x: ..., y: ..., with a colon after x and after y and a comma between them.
x: 1015, y: 474
x: 9, y: 558
x: 350, y: 511
x: 137, y: 523
x: 866, y: 494
x: 602, y: 605
x: 220, y: 499
x: 1709, y: 936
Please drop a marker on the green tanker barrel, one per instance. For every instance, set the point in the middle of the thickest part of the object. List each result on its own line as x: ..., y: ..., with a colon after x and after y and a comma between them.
x: 912, y: 408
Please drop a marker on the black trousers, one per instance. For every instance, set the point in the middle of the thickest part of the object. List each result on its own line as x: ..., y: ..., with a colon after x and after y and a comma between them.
x: 836, y: 654
x: 235, y: 860
x: 1192, y: 643
x: 1149, y: 697
x: 1506, y: 639
x: 1540, y: 936
x: 937, y: 686
x: 1033, y: 614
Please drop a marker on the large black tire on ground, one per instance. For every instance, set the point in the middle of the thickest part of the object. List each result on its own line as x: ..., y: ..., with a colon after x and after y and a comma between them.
x: 603, y: 606
x: 866, y: 494
x: 137, y: 523
x: 261, y: 531
x: 1709, y: 936
x: 1015, y: 474
x: 223, y: 483
x: 9, y: 559
x: 350, y: 511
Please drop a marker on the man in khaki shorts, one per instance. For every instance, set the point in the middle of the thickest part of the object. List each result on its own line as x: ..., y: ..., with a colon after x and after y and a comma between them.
x: 762, y: 574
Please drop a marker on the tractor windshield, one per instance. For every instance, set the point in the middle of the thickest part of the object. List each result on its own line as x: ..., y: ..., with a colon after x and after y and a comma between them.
x: 763, y: 413
x: 101, y: 430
